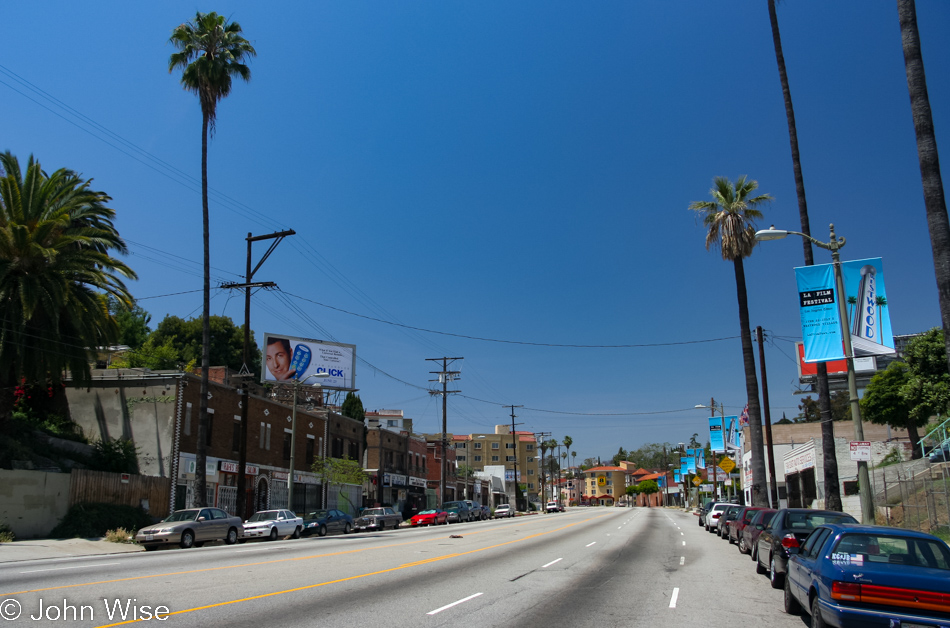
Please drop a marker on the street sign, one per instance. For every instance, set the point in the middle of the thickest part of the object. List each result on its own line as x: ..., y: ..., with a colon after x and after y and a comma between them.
x: 727, y: 464
x: 861, y: 450
x: 697, y: 481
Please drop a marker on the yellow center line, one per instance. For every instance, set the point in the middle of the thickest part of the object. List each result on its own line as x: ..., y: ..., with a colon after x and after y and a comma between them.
x: 350, y: 578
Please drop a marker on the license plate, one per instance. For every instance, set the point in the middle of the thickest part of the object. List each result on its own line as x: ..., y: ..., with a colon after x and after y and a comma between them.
x: 149, y: 537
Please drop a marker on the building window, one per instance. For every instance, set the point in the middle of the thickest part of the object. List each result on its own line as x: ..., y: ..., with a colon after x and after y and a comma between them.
x: 236, y: 437
x: 494, y: 458
x: 460, y: 458
x: 478, y: 458
x: 392, y: 423
x: 460, y: 445
x: 530, y: 471
x: 287, y: 441
x: 610, y: 491
x: 529, y: 447
x: 188, y: 419
x: 510, y: 459
x: 509, y: 445
x: 494, y: 446
x: 210, y: 425
x: 530, y: 459
x: 530, y: 485
x: 310, y: 446
x: 477, y: 445
x: 354, y: 451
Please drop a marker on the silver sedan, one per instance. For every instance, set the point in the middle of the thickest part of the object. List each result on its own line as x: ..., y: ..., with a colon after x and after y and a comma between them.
x: 192, y: 527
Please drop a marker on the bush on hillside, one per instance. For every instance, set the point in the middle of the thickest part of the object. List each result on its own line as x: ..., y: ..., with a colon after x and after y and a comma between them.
x: 95, y: 520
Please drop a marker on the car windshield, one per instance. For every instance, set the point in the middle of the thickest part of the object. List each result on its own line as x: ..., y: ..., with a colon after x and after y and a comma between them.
x: 264, y: 515
x: 183, y: 515
x: 807, y: 521
x: 428, y: 512
x: 317, y: 514
x: 374, y: 511
x: 857, y: 549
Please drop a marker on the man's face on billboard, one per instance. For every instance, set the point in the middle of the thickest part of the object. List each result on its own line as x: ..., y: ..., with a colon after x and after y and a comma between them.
x: 278, y: 361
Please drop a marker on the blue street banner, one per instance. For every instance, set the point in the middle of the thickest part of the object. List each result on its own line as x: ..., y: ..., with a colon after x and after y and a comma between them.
x: 690, y: 461
x: 700, y: 455
x: 661, y: 481
x: 869, y: 323
x: 676, y: 477
x: 732, y: 434
x: 716, y: 440
x: 684, y: 466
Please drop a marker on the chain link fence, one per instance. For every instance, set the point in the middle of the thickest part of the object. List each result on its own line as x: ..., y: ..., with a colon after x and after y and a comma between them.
x: 917, y: 499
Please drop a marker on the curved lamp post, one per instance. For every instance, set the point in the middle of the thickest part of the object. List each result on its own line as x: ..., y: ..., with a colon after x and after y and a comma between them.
x: 293, y: 437
x: 864, y: 481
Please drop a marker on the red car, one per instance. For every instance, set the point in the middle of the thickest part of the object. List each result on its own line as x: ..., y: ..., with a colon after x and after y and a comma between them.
x: 430, y: 518
x: 748, y: 542
x: 740, y: 522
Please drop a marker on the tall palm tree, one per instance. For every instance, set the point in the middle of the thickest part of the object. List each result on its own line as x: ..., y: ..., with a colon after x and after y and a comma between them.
x: 56, y: 275
x: 829, y: 457
x: 567, y: 442
x: 934, y: 200
x: 852, y: 303
x: 881, y: 303
x: 730, y: 219
x: 211, y: 52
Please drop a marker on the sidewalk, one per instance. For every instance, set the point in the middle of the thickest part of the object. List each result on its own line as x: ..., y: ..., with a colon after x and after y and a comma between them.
x: 61, y: 548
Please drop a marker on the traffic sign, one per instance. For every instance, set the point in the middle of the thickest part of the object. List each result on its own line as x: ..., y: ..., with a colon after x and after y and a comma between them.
x: 861, y: 450
x: 727, y: 464
x: 697, y: 481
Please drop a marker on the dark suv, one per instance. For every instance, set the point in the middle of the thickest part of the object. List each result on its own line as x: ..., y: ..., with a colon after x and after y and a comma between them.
x: 458, y: 511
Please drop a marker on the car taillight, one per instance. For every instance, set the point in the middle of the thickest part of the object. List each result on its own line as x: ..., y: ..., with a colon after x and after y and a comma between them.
x: 890, y: 596
x: 789, y: 541
x: 716, y: 515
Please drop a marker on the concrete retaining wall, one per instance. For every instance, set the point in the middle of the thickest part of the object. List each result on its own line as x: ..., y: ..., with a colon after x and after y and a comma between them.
x: 33, y: 502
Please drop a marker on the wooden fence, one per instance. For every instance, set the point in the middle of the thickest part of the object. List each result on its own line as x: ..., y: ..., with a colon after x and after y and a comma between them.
x: 120, y: 489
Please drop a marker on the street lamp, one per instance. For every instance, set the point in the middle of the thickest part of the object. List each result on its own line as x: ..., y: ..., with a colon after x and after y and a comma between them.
x: 864, y: 482
x: 293, y: 437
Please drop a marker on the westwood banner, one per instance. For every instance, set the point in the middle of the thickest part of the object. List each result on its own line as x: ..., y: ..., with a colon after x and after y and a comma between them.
x: 869, y: 323
x: 690, y: 461
x: 716, y: 440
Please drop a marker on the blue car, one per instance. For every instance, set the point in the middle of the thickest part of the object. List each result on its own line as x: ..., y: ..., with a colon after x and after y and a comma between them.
x: 864, y: 576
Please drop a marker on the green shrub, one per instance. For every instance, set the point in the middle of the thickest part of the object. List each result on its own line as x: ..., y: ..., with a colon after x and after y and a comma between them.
x: 6, y: 533
x: 93, y: 520
x: 116, y: 455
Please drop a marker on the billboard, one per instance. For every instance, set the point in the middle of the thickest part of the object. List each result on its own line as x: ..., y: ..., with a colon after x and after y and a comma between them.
x: 716, y: 437
x: 288, y: 358
x: 869, y: 323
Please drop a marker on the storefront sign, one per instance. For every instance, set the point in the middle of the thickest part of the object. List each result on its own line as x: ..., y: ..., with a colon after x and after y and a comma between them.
x: 800, y: 461
x: 393, y: 479
x: 417, y: 482
x: 232, y: 467
x: 279, y: 475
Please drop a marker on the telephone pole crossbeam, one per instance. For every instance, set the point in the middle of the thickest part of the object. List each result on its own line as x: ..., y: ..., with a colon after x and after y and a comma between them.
x: 445, y: 376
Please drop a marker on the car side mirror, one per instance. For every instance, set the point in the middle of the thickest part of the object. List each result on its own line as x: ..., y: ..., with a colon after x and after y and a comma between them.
x: 201, y: 518
x: 759, y: 526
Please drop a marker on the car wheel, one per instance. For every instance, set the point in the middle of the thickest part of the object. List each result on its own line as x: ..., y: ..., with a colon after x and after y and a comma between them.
x: 775, y: 579
x: 187, y: 539
x: 296, y: 534
x: 792, y: 607
x: 273, y: 534
x: 232, y: 536
x: 346, y: 528
x: 817, y: 621
x: 743, y: 548
x: 322, y: 530
x: 759, y: 569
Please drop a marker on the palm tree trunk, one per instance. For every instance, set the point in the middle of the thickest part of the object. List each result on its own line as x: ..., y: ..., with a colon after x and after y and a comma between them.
x: 200, y: 494
x: 759, y: 492
x: 830, y: 466
x: 934, y: 201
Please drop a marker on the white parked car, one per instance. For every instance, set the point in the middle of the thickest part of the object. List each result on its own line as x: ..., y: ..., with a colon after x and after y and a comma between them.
x: 272, y: 525
x: 504, y: 510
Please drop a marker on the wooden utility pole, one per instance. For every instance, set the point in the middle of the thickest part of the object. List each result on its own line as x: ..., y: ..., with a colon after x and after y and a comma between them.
x: 514, y: 444
x: 245, y: 373
x: 445, y: 376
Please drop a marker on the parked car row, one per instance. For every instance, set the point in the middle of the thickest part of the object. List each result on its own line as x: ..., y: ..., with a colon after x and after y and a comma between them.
x: 839, y: 572
x: 193, y: 527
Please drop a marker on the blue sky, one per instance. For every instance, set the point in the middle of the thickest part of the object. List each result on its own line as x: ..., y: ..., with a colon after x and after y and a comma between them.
x: 508, y: 171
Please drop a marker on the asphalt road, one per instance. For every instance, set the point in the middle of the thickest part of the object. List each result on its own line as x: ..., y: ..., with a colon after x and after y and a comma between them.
x: 596, y: 567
